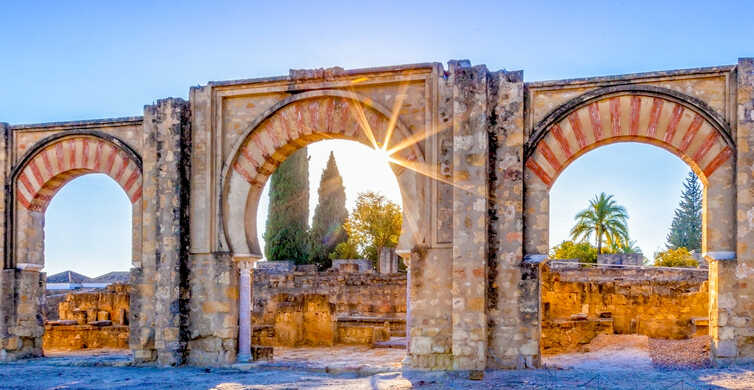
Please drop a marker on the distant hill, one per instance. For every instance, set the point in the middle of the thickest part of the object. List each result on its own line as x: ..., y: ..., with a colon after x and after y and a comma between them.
x: 113, y: 277
x: 68, y: 277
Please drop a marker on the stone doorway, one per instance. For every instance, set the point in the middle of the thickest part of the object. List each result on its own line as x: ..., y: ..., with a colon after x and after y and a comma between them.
x: 629, y: 114
x: 357, y: 303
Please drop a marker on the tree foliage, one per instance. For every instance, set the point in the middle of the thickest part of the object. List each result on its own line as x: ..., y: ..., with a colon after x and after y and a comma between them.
x: 375, y: 223
x: 583, y: 251
x: 329, y: 216
x: 678, y: 257
x: 604, y: 219
x: 286, y: 233
x: 346, y: 250
x: 686, y: 228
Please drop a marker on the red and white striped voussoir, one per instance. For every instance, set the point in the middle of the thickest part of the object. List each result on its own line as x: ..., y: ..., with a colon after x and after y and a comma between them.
x: 69, y: 158
x: 637, y: 118
x: 301, y: 123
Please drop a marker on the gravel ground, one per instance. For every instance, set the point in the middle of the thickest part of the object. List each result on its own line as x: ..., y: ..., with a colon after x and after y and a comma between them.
x: 606, y: 352
x: 110, y: 371
x: 691, y: 353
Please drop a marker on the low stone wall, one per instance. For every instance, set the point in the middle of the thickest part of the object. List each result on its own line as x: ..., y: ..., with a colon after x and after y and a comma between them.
x: 108, y: 304
x: 323, y: 308
x: 580, y: 302
x: 75, y: 337
x: 87, y: 319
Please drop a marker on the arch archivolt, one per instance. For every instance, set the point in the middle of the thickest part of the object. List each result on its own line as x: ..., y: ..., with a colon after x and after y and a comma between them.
x: 51, y: 164
x: 630, y: 117
x: 63, y: 160
x: 297, y: 122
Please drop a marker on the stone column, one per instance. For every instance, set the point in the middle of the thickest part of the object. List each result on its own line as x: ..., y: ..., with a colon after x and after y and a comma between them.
x: 245, y: 264
x: 733, y: 328
x: 470, y: 178
x: 162, y: 293
x: 513, y: 282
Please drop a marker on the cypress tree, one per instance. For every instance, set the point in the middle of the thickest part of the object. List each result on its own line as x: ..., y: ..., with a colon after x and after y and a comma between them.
x: 286, y: 233
x: 327, y: 227
x: 686, y: 228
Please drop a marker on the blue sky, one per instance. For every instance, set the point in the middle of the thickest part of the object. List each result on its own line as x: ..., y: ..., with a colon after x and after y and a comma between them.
x: 81, y: 60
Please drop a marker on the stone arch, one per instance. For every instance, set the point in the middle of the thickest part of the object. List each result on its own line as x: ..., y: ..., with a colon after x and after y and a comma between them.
x: 296, y: 122
x: 680, y: 124
x: 52, y: 163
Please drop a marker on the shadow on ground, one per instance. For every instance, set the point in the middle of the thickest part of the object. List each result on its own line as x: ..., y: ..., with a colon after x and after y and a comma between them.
x: 112, y: 371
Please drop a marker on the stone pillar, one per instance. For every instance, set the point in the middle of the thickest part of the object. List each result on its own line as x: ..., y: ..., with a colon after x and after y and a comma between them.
x: 513, y: 284
x: 6, y: 147
x: 388, y: 261
x: 719, y: 250
x: 213, y: 304
x: 470, y: 178
x: 7, y: 307
x: 245, y: 265
x: 164, y: 275
x: 536, y: 215
x: 25, y: 324
x: 733, y: 328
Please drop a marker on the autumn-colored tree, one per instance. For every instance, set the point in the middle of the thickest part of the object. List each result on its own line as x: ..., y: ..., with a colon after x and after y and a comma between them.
x: 679, y: 257
x: 375, y: 223
x: 583, y: 251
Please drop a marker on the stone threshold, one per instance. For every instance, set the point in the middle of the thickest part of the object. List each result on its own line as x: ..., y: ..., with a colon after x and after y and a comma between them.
x: 362, y: 370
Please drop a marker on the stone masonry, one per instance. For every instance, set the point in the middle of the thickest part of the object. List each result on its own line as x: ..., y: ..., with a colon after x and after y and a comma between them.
x: 578, y: 303
x: 475, y: 153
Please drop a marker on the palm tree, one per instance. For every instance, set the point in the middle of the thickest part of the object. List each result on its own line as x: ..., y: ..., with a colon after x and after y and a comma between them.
x: 603, y: 218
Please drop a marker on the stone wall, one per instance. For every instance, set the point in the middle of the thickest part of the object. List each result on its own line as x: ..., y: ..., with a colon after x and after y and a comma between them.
x: 323, y: 308
x: 579, y: 303
x: 88, y: 319
x: 351, y: 294
x: 108, y: 304
x: 78, y: 337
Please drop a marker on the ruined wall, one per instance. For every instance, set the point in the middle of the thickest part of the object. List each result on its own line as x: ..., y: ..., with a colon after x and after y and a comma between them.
x: 109, y: 304
x: 351, y: 294
x: 77, y: 337
x: 579, y: 303
x: 88, y: 319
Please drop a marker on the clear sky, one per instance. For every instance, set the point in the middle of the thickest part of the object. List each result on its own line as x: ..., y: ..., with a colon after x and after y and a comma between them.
x: 82, y: 60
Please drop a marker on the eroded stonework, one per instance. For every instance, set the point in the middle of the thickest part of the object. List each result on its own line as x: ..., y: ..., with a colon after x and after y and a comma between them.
x: 475, y: 153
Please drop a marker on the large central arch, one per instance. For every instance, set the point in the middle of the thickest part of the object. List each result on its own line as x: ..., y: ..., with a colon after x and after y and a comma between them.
x: 296, y: 122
